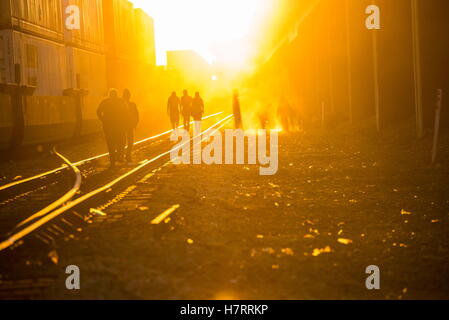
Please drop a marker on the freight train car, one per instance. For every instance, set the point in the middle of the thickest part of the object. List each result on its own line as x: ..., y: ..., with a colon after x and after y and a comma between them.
x: 33, y: 56
x: 86, y: 67
x: 52, y: 78
x: 61, y: 72
x: 130, y: 41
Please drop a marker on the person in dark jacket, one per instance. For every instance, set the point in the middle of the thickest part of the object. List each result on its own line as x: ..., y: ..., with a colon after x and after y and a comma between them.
x: 112, y: 113
x: 186, y: 106
x: 197, y: 112
x: 173, y: 109
x: 132, y: 119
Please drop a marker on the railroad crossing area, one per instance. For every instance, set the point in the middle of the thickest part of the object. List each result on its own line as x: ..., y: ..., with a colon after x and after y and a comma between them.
x: 337, y: 205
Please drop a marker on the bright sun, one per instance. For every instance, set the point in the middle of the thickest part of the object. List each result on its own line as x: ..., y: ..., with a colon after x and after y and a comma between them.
x: 216, y: 29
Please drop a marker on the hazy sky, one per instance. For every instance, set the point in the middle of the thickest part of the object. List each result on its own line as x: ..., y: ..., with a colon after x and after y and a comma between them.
x: 201, y: 25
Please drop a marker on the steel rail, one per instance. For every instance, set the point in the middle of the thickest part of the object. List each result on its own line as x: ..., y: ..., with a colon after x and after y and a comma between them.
x: 82, y: 162
x: 104, y: 189
x: 66, y: 197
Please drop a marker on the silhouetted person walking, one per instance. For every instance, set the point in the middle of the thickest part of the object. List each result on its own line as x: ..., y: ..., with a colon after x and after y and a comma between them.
x: 197, y: 112
x: 263, y: 116
x: 112, y: 112
x: 236, y: 110
x: 173, y: 107
x: 186, y: 105
x: 132, y: 119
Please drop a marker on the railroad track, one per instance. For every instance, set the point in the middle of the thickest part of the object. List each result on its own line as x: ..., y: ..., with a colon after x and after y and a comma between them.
x: 62, y: 217
x: 19, y: 198
x: 17, y: 188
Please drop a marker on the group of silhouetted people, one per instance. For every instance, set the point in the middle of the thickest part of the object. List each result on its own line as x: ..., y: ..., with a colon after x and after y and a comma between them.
x: 289, y: 117
x: 120, y: 117
x: 188, y: 107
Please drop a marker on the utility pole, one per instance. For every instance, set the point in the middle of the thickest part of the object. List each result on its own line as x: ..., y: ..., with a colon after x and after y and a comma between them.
x: 317, y: 73
x: 376, y: 77
x: 331, y: 71
x: 437, y: 124
x: 417, y: 69
x: 349, y: 62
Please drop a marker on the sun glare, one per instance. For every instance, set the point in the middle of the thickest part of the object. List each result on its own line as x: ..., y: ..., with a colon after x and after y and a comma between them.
x: 219, y: 30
